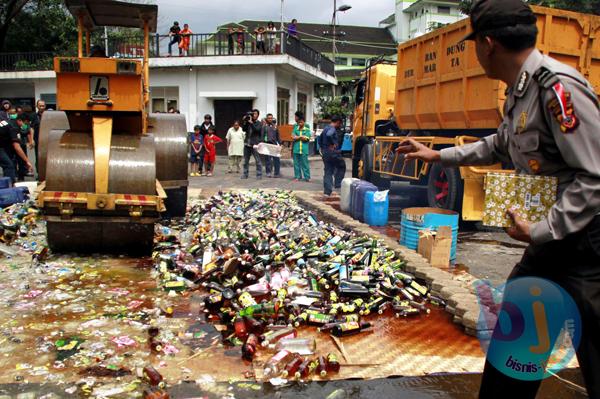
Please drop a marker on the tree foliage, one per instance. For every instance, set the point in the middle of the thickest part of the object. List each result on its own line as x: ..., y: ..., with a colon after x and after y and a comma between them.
x: 42, y: 25
x: 329, y: 107
x: 585, y: 6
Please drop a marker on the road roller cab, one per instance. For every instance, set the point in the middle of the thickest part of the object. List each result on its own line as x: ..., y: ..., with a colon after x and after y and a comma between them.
x: 109, y: 169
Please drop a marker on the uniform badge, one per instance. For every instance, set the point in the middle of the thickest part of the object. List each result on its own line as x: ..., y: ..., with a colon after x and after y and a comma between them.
x: 522, y: 82
x: 534, y: 165
x: 522, y: 122
x: 562, y: 109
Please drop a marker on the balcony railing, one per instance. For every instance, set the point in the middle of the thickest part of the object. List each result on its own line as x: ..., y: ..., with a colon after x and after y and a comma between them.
x: 200, y: 45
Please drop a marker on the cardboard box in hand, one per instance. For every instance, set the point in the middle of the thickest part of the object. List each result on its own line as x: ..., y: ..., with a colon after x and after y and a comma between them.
x: 531, y: 196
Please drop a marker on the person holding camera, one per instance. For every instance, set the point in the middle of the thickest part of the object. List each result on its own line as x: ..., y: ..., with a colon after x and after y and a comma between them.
x: 253, y: 128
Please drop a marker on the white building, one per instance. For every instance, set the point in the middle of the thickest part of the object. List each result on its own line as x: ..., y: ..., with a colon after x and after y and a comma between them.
x: 414, y: 18
x: 223, y: 86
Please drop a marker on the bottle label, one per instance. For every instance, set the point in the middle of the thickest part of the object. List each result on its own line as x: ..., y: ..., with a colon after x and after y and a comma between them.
x: 350, y: 326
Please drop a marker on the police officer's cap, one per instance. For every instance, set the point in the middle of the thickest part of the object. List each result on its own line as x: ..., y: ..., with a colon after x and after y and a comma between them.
x: 494, y: 14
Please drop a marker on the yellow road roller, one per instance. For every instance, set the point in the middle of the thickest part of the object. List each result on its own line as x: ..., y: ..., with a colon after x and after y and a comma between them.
x: 108, y: 168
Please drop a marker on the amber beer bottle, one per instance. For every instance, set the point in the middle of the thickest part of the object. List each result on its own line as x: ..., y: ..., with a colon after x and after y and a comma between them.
x: 292, y: 367
x: 333, y: 363
x: 153, y: 376
x: 305, y: 369
x: 249, y: 348
x: 321, y: 366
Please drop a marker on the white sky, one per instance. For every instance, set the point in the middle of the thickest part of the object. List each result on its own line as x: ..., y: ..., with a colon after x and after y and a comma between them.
x: 204, y: 16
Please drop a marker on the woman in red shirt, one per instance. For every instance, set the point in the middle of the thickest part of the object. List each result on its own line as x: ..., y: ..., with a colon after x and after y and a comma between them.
x: 210, y: 155
x: 184, y: 44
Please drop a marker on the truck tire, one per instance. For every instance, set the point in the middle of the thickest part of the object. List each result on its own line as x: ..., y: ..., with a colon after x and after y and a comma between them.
x: 444, y: 188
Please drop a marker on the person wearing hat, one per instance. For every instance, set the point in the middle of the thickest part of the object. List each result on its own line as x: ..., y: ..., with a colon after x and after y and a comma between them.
x: 4, y: 110
x: 550, y: 128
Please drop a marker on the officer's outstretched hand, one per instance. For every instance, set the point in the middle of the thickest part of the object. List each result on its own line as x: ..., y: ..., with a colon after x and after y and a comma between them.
x: 520, y: 230
x: 415, y: 150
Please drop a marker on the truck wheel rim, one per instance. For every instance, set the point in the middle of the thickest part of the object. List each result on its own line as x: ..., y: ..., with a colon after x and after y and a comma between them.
x: 441, y: 189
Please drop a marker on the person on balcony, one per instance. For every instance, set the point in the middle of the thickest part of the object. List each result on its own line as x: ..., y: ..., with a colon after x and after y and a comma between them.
x: 241, y: 40
x: 184, y: 44
x: 230, y: 40
x: 260, y: 40
x: 271, y: 37
x: 175, y: 37
x: 292, y: 28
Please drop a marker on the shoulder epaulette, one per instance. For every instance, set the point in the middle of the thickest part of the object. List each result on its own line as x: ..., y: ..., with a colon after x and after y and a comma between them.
x: 545, y: 77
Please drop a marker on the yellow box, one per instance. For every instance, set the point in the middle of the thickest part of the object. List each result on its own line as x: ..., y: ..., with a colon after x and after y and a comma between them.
x: 531, y: 196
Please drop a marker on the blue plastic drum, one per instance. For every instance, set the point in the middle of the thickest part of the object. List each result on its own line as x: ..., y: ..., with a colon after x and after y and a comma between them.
x: 417, y: 219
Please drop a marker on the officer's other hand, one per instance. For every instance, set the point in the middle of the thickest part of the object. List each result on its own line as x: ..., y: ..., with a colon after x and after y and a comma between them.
x: 415, y: 150
x: 29, y: 167
x: 520, y: 230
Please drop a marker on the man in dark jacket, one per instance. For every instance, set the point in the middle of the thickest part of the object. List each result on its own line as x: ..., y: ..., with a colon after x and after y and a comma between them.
x: 253, y: 128
x: 11, y: 144
x: 270, y: 134
x: 204, y: 132
x: 335, y: 166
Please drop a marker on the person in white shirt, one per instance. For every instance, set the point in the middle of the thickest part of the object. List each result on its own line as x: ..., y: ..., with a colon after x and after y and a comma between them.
x: 235, y: 146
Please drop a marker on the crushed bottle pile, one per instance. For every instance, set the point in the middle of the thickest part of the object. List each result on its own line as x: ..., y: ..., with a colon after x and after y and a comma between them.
x: 269, y: 267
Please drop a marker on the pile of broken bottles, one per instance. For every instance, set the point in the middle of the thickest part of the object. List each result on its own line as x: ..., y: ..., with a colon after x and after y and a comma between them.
x: 268, y: 267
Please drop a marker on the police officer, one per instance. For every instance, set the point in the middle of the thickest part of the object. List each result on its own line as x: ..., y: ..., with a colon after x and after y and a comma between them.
x: 11, y: 144
x: 550, y: 128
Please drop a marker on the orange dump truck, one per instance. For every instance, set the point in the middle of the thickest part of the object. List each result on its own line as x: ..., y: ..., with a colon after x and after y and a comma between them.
x: 443, y: 98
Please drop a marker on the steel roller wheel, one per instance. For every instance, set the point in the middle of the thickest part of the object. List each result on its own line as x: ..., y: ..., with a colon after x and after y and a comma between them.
x: 170, y: 135
x: 51, y: 120
x: 131, y: 171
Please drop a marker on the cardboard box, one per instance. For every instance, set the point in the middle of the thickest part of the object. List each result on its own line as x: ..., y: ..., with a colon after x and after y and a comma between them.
x: 531, y: 196
x: 435, y: 246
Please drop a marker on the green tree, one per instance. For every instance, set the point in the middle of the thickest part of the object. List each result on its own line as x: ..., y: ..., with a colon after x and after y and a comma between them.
x: 42, y: 25
x: 9, y: 9
x: 329, y: 107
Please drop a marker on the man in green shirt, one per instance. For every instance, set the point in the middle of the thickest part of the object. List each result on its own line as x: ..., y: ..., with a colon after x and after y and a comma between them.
x: 301, y: 137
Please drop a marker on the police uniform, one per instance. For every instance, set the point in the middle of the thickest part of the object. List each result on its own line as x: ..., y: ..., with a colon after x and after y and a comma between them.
x: 551, y: 127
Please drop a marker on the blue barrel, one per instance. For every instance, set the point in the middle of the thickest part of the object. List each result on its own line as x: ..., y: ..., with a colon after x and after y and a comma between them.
x: 416, y: 219
x: 5, y: 182
x: 358, y: 199
x: 377, y: 205
x: 10, y: 196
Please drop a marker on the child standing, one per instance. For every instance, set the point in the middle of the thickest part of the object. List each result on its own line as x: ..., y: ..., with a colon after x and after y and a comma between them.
x: 260, y: 40
x: 210, y: 154
x: 301, y: 136
x: 184, y: 44
x: 235, y: 146
x: 195, y: 150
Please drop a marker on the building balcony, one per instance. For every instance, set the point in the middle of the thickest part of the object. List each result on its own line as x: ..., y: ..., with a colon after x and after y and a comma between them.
x: 201, y: 45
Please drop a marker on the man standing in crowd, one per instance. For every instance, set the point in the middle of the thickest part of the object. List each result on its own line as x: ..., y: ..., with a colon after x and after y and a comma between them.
x: 35, y: 124
x: 4, y: 112
x: 10, y: 144
x: 25, y: 134
x: 175, y: 37
x: 253, y: 129
x: 270, y: 134
x: 335, y: 166
x: 550, y: 128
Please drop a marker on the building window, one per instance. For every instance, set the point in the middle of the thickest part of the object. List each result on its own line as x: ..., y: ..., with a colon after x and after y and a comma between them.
x: 359, y: 62
x: 341, y: 60
x: 283, y: 106
x: 302, y: 101
x: 444, y: 10
x: 163, y: 98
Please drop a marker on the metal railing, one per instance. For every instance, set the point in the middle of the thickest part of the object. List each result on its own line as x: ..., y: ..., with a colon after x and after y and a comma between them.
x: 38, y: 61
x: 194, y: 45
